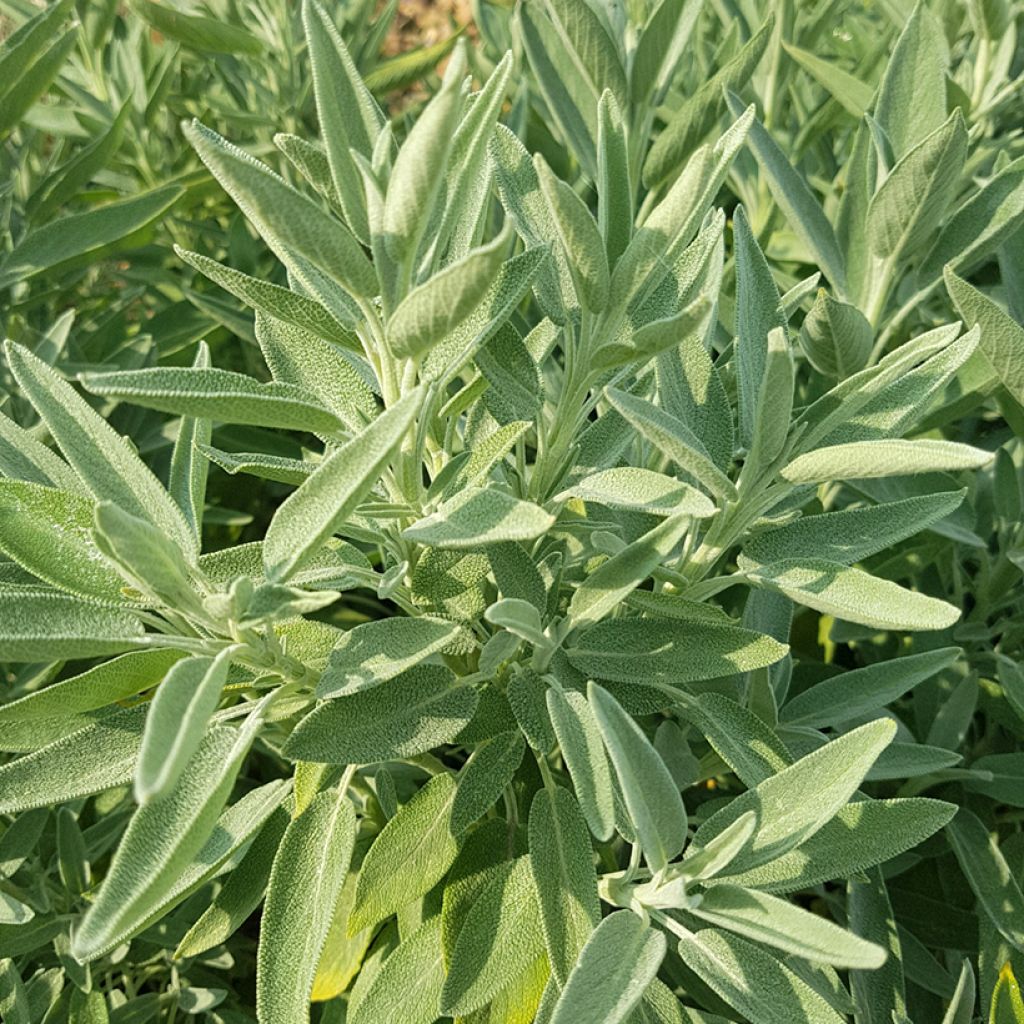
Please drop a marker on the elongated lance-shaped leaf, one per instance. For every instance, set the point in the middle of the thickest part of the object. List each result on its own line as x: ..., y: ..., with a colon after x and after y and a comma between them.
x: 792, y: 195
x: 288, y: 221
x: 308, y: 873
x: 651, y: 796
x: 309, y: 516
x: 778, y: 923
x: 177, y: 720
x: 189, y: 469
x: 604, y: 589
x: 752, y: 981
x: 409, y: 857
x: 579, y: 736
x: 23, y: 457
x: 799, y: 800
x: 418, y: 173
x: 161, y: 840
x: 616, y: 965
x: 40, y: 626
x: 433, y: 309
x: 988, y: 874
x: 562, y: 863
x: 672, y: 437
x: 101, y: 755
x: 854, y: 595
x: 478, y: 517
x: 100, y: 456
x: 348, y: 114
x: 47, y: 532
x: 579, y: 237
x: 864, y: 460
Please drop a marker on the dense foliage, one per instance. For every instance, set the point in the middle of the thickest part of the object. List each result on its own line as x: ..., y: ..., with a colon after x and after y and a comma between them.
x: 553, y: 554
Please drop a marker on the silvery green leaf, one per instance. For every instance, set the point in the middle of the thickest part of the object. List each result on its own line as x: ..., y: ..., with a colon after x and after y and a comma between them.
x: 985, y: 221
x: 697, y: 116
x: 407, y: 989
x: 409, y: 715
x: 651, y: 796
x: 108, y: 467
x: 912, y: 94
x: 349, y: 116
x: 794, y: 198
x: 409, y: 857
x: 514, y: 395
x: 614, y: 187
x: 849, y: 695
x: 879, y: 993
x: 863, y: 460
x: 478, y: 517
x: 519, y: 617
x: 1004, y: 777
x: 177, y: 719
x: 278, y: 468
x: 23, y: 457
x: 1002, y: 338
x: 300, y: 359
x: 662, y: 42
x: 562, y: 863
x: 836, y: 337
x: 753, y: 981
x: 910, y: 203
x: 666, y: 232
x: 862, y: 834
x: 484, y: 776
x: 288, y: 221
x: 758, y: 311
x: 670, y: 651
x: 608, y: 585
x: 573, y: 60
x: 189, y: 470
x: 672, y: 437
x: 432, y: 310
x: 580, y: 740
x: 854, y: 595
x: 48, y: 532
x: 376, y: 651
x: 794, y: 804
x: 579, y: 236
x: 418, y: 173
x: 161, y: 841
x: 47, y: 715
x: 988, y: 874
x: 143, y: 555
x: 39, y: 626
x: 642, y: 490
x: 500, y: 938
x: 848, y: 90
x: 774, y: 403
x: 510, y: 284
x: 310, y: 515
x: 525, y: 205
x: 469, y: 167
x: 778, y: 923
x: 308, y: 873
x: 619, y: 961
x: 241, y: 893
x: 215, y: 394
x: 852, y: 534
x: 282, y: 304
x: 720, y: 852
x: 748, y: 745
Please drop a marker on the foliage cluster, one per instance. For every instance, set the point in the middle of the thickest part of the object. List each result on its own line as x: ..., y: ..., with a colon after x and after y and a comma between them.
x: 551, y: 555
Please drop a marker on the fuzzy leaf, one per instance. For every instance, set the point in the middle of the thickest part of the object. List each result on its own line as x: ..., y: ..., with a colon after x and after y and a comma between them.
x: 478, y: 517
x: 864, y: 460
x: 308, y: 873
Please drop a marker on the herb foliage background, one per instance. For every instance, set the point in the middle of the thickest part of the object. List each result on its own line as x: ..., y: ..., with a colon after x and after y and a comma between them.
x: 551, y: 555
